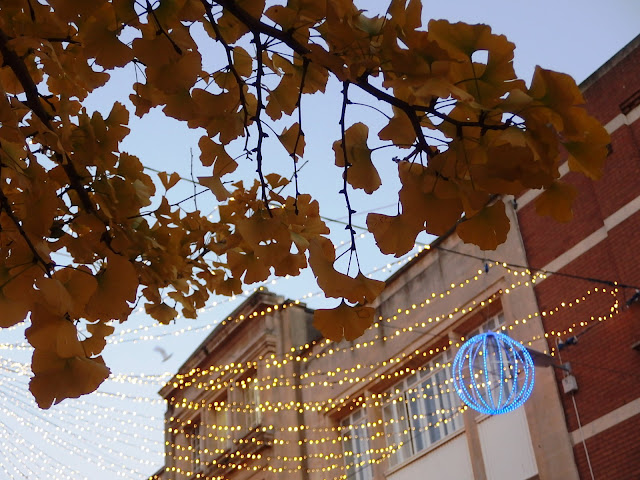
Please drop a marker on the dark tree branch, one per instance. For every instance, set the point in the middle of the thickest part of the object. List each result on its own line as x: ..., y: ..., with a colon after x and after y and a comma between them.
x: 255, y: 25
x: 161, y: 30
x: 261, y: 134
x: 228, y: 51
x: 5, y: 205
x: 305, y: 68
x: 19, y: 69
x: 32, y: 12
x: 62, y: 40
x: 345, y: 185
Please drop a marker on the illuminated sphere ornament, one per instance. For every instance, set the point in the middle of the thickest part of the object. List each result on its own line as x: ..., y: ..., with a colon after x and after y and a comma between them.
x: 493, y: 373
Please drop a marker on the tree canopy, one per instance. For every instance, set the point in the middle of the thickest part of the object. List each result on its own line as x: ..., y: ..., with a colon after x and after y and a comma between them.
x: 85, y: 232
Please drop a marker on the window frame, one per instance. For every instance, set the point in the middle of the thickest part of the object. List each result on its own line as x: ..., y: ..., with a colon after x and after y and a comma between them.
x: 249, y: 397
x: 357, y: 444
x: 196, y: 444
x: 432, y: 419
x: 495, y: 323
x: 221, y: 441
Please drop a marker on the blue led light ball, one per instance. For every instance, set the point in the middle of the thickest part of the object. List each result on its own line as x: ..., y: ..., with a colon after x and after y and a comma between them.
x: 493, y: 373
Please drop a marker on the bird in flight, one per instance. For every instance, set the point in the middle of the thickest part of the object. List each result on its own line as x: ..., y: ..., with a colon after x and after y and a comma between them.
x: 165, y: 356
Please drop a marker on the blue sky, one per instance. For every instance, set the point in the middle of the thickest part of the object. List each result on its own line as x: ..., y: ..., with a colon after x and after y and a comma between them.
x: 575, y: 37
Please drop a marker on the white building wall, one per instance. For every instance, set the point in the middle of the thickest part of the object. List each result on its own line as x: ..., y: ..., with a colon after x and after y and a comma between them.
x: 506, y: 446
x: 448, y: 460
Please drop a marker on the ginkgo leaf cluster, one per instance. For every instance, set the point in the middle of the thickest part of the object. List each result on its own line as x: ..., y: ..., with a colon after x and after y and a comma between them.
x: 85, y: 232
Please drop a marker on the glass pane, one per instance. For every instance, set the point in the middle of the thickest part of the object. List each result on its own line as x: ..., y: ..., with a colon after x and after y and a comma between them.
x: 355, y: 445
x: 397, y: 431
x: 431, y: 404
x: 416, y: 420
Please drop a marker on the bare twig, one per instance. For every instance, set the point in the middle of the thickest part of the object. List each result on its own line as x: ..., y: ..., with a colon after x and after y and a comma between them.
x: 411, y: 110
x: 5, y: 205
x: 151, y: 11
x: 21, y: 72
x: 305, y: 68
x: 193, y: 180
x: 228, y: 51
x: 261, y: 134
x: 345, y: 185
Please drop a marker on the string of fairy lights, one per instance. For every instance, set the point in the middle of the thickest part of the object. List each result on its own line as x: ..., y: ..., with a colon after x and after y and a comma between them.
x: 228, y: 452
x: 361, y: 401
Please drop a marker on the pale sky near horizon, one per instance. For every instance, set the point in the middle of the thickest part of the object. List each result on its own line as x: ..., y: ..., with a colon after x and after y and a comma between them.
x: 572, y: 36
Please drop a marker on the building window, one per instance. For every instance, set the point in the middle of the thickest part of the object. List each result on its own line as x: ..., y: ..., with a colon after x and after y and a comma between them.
x: 493, y: 384
x: 355, y: 446
x: 219, y: 420
x: 250, y: 398
x: 421, y: 410
x: 195, y: 436
x: 494, y: 324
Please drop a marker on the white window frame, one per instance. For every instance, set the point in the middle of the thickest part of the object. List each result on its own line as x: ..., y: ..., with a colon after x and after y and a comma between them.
x: 196, y: 444
x: 421, y: 410
x: 495, y: 324
x: 220, y: 421
x: 355, y: 446
x: 250, y: 398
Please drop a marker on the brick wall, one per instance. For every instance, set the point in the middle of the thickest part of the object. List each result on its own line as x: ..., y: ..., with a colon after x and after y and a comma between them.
x: 612, y: 84
x: 608, y: 460
x: 607, y: 369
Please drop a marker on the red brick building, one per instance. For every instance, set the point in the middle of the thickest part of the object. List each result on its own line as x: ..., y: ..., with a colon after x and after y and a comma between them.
x: 601, y: 242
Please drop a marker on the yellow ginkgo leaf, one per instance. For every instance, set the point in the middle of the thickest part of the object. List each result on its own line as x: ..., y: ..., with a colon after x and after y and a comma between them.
x: 406, y: 16
x: 343, y: 322
x: 587, y: 143
x: 94, y: 344
x: 177, y: 76
x: 487, y: 229
x: 117, y: 285
x: 15, y: 294
x: 394, y: 235
x: 292, y: 138
x: 11, y: 311
x: 556, y: 201
x: 214, y: 183
x: 242, y: 61
x: 168, y: 181
x: 336, y: 284
x: 161, y: 312
x: 57, y: 378
x: 53, y: 333
x: 361, y: 173
x: 283, y: 98
x: 399, y: 130
x: 99, y: 37
x: 239, y: 263
x: 365, y: 289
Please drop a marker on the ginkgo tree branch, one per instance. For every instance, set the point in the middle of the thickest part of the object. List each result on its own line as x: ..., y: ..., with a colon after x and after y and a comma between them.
x: 230, y: 65
x: 305, y: 69
x: 152, y: 12
x: 255, y: 25
x: 69, y: 189
x: 5, y: 205
x: 345, y: 185
x: 18, y: 67
x: 261, y: 134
